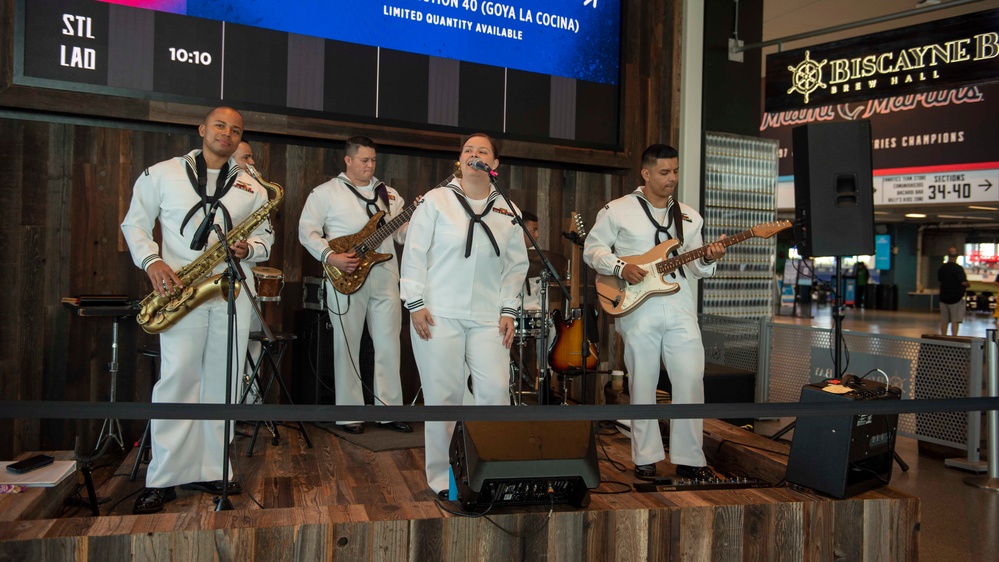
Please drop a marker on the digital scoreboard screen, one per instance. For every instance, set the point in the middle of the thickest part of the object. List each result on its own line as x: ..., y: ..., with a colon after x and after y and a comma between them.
x: 544, y: 71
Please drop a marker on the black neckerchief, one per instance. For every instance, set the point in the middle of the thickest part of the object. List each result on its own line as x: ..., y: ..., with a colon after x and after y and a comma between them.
x: 371, y: 205
x: 197, y: 172
x: 476, y: 218
x: 672, y: 212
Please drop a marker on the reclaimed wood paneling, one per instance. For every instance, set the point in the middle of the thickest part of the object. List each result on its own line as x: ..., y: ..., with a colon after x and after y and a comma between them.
x: 68, y: 161
x: 693, y: 533
x: 341, y: 515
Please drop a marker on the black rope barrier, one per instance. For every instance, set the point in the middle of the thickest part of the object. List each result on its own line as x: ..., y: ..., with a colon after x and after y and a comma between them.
x: 38, y: 409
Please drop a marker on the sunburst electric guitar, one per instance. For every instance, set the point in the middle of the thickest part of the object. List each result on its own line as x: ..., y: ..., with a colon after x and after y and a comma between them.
x: 618, y: 297
x: 566, y: 353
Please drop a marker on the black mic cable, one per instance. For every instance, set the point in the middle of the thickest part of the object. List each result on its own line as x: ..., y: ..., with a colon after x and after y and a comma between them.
x: 200, y: 239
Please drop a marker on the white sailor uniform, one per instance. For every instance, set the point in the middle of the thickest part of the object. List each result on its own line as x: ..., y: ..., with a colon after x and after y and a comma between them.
x: 664, y: 327
x: 333, y: 210
x: 193, y: 351
x: 466, y: 276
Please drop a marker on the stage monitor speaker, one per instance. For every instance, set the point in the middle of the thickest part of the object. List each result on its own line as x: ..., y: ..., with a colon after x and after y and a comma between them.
x: 842, y: 456
x: 833, y: 189
x: 524, y: 463
x: 313, y: 358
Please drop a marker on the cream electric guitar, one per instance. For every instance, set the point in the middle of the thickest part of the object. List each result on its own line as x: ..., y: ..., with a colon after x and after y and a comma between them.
x: 618, y: 297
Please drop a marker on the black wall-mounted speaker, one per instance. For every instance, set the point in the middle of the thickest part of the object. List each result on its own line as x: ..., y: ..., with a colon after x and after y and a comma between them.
x: 833, y: 189
x: 524, y: 463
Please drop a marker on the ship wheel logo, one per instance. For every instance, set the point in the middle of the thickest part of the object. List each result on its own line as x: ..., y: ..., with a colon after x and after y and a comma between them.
x: 806, y: 77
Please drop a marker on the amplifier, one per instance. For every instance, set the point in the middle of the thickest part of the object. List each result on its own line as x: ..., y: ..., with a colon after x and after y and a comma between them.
x: 312, y: 359
x: 524, y: 463
x: 313, y: 293
x: 842, y: 456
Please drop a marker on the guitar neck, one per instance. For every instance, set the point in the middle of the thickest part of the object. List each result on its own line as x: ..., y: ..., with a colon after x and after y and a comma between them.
x: 574, y: 278
x: 387, y: 229
x: 670, y: 264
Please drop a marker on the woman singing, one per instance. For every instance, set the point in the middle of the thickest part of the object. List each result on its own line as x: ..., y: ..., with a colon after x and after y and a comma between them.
x: 462, y: 269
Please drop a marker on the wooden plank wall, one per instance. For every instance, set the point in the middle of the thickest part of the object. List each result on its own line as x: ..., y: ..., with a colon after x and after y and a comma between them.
x: 868, y: 528
x: 68, y: 160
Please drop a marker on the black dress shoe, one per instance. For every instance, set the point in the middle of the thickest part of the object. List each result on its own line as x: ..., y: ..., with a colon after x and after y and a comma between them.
x: 401, y: 427
x: 354, y: 428
x: 443, y: 495
x: 695, y: 472
x: 645, y: 471
x: 151, y: 500
x: 214, y: 487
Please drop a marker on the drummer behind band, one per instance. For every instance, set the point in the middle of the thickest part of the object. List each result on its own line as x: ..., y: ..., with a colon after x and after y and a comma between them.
x: 342, y: 207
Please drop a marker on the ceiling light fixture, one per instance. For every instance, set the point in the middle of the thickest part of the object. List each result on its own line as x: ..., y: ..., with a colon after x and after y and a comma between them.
x: 915, y: 215
x: 976, y: 207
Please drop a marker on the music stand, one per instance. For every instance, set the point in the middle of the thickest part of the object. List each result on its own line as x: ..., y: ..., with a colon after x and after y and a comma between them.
x: 273, y: 344
x: 116, y: 308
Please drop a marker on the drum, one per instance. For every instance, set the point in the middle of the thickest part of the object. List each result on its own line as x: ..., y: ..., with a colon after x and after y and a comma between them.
x: 528, y: 324
x: 269, y: 282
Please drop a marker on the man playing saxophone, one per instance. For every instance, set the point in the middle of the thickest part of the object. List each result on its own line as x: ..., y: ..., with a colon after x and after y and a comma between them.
x: 186, y: 194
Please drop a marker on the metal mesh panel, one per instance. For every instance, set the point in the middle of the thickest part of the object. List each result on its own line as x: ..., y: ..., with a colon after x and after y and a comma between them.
x: 732, y: 342
x: 933, y: 370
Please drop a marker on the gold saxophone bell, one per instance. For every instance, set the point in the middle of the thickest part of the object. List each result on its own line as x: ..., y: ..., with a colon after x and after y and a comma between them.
x: 158, y: 313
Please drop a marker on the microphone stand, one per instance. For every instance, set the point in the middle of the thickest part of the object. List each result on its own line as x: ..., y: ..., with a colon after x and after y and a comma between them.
x: 519, y: 221
x: 234, y: 275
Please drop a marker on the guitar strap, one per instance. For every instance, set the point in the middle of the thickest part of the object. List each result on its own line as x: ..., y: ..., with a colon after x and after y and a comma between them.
x: 371, y: 205
x: 672, y: 210
x: 476, y: 218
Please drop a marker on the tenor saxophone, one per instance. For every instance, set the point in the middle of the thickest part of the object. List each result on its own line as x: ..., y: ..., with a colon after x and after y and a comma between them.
x: 158, y: 313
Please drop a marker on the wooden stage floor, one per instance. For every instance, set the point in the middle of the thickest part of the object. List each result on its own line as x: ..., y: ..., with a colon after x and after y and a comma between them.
x: 341, y: 501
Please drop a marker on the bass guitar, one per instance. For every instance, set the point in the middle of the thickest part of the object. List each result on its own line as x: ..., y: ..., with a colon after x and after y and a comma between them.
x: 565, y: 354
x: 618, y: 297
x: 363, y: 243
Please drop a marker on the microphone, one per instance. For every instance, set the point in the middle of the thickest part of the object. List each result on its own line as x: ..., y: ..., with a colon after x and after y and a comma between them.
x: 205, y: 228
x: 482, y: 167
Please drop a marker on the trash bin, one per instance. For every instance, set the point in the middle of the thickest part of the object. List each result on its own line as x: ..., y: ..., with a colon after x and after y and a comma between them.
x: 888, y: 296
x: 872, y: 298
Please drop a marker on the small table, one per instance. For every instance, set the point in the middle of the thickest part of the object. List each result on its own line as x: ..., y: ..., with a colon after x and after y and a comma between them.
x: 116, y: 308
x: 930, y: 294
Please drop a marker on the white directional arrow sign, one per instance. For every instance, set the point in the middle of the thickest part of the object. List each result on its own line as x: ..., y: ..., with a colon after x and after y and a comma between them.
x: 974, y: 186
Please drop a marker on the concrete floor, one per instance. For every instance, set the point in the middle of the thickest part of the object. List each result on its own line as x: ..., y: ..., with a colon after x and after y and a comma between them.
x: 959, y: 522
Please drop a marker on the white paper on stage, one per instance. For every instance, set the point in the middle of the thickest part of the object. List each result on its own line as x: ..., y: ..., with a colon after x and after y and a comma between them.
x: 44, y: 477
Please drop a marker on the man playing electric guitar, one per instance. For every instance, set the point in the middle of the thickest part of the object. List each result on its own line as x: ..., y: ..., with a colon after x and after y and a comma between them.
x: 664, y: 327
x: 339, y: 207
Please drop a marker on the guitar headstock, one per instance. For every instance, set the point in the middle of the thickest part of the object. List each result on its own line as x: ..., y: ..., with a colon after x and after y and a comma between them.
x: 768, y: 229
x: 577, y: 230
